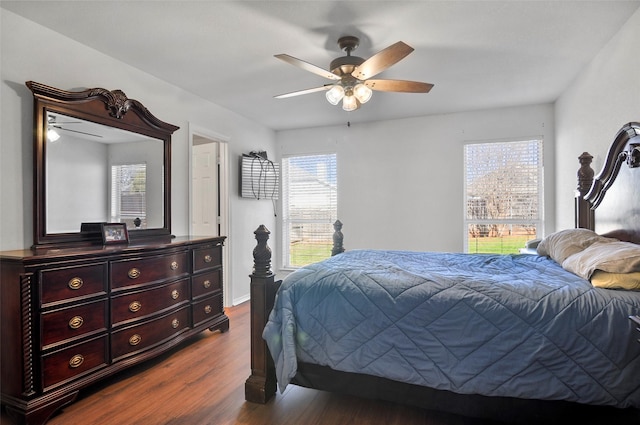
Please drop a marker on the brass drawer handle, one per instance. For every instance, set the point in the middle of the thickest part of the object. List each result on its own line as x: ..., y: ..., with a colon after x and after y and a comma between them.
x: 206, y: 283
x: 207, y: 258
x: 135, y: 306
x: 207, y: 309
x: 76, y: 322
x: 76, y: 361
x: 135, y: 339
x: 174, y: 265
x: 133, y: 273
x: 175, y: 323
x: 75, y: 283
x: 175, y: 294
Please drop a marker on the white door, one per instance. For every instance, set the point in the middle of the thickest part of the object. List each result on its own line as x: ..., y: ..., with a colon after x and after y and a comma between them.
x: 205, y: 188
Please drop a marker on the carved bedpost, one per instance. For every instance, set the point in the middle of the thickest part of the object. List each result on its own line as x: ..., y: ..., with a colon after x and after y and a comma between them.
x: 261, y: 385
x: 338, y: 238
x: 583, y: 211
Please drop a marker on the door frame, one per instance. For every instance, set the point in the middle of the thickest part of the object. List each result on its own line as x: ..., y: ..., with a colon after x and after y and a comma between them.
x: 223, y: 184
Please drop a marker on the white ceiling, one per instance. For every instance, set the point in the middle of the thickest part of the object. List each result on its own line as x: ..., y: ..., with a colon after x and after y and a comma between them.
x: 479, y: 54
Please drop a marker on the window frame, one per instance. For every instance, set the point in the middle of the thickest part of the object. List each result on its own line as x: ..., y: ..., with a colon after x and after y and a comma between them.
x: 539, y: 222
x: 285, y: 216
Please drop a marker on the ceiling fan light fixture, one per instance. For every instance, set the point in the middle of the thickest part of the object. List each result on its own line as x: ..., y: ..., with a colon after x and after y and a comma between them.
x: 52, y: 135
x: 350, y: 103
x: 335, y: 94
x: 362, y: 93
x: 351, y: 76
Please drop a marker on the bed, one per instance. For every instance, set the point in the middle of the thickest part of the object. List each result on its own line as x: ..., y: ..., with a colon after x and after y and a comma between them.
x: 516, y: 338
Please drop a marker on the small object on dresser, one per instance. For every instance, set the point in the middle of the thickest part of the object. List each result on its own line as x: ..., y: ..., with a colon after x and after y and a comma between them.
x: 636, y: 320
x: 95, y: 227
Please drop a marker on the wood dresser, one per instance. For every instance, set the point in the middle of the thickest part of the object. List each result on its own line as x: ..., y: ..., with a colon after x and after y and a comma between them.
x: 73, y: 316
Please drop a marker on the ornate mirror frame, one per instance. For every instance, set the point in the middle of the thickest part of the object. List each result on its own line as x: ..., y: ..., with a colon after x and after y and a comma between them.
x: 108, y: 108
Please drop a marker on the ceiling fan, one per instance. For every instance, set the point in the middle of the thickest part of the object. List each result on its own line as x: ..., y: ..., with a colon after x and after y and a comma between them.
x: 352, y: 75
x: 54, y: 123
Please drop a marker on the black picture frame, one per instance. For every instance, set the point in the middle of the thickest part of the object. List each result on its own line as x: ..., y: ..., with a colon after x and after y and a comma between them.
x: 114, y: 233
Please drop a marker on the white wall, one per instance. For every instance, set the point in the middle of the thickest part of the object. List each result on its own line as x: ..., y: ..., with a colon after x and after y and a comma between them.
x: 72, y: 200
x: 32, y: 52
x: 602, y: 98
x: 400, y: 183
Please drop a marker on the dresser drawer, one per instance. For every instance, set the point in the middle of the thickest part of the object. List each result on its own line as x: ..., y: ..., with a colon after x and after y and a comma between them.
x: 142, y: 304
x: 136, y: 338
x: 139, y: 271
x: 207, y: 257
x: 67, y: 283
x: 207, y: 309
x: 206, y: 284
x: 74, y: 361
x: 73, y: 322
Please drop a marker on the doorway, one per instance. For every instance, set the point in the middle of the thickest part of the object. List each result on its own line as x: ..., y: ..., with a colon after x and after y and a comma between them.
x: 209, y: 193
x: 205, y: 187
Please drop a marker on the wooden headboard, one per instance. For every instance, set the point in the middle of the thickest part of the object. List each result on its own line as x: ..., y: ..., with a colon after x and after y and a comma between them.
x: 618, y: 213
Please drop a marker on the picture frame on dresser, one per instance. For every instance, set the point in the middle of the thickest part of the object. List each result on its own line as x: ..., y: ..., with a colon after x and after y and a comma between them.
x: 114, y: 233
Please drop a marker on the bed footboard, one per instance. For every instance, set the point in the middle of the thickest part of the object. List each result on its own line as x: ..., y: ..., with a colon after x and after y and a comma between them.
x: 262, y: 384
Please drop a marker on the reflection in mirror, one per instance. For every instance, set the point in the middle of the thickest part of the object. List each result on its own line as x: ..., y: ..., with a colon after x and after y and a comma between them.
x: 99, y: 157
x: 97, y: 173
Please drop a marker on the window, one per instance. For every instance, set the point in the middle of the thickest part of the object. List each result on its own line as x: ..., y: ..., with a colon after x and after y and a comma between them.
x: 128, y: 194
x: 309, y: 208
x: 503, y: 195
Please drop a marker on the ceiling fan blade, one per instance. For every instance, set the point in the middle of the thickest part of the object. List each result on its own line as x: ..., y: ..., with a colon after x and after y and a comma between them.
x: 399, y: 86
x: 382, y: 60
x: 307, y: 66
x: 307, y: 91
x: 76, y: 131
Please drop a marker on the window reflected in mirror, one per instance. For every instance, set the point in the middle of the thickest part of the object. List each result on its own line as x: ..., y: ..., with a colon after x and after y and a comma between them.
x: 97, y: 173
x: 128, y: 195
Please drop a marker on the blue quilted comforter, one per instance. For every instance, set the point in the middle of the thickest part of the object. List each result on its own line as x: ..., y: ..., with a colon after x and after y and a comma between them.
x: 515, y: 326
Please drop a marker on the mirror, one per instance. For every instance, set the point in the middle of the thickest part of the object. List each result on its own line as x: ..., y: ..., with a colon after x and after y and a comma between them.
x: 121, y: 176
x: 99, y: 157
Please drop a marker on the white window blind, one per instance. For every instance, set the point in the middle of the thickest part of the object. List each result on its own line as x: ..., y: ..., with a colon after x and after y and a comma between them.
x: 503, y: 195
x: 310, y: 207
x: 128, y: 194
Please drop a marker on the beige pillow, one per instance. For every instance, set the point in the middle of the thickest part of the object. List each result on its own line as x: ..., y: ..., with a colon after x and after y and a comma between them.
x: 612, y: 257
x: 565, y: 243
x: 601, y: 279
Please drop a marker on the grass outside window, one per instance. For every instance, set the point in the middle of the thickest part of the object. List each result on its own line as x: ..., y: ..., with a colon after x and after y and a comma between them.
x: 498, y: 244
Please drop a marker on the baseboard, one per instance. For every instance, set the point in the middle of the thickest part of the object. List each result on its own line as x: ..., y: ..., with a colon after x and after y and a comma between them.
x: 241, y: 299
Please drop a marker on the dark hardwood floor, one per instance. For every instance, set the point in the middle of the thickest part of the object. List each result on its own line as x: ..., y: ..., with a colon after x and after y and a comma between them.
x: 202, y: 383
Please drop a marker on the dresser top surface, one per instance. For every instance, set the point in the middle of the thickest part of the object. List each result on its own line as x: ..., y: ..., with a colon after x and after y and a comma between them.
x: 92, y: 250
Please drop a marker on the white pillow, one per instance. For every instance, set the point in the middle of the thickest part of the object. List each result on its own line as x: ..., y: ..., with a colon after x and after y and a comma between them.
x: 612, y: 257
